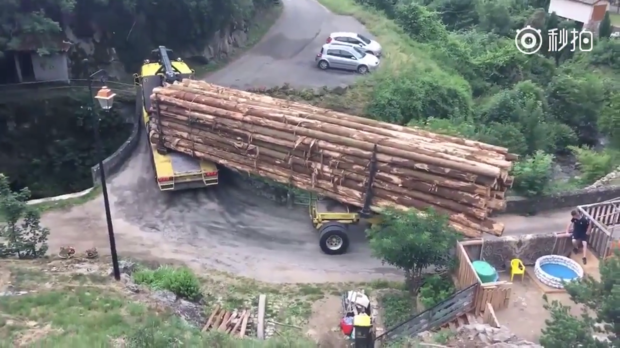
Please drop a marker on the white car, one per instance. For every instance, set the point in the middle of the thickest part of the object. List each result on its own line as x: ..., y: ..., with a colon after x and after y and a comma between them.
x: 335, y: 56
x: 356, y: 40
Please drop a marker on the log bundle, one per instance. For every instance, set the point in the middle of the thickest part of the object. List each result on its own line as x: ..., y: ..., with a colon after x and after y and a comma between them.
x: 330, y: 153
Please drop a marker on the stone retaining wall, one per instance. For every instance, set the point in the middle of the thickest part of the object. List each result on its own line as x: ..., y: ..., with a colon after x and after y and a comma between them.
x: 114, y: 162
x: 532, y: 206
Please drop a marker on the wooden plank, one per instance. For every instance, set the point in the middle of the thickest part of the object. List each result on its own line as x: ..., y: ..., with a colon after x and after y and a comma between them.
x: 222, y: 326
x: 229, y: 323
x: 211, y: 317
x: 238, y: 324
x: 260, y: 325
x: 492, y: 317
x: 219, y: 318
x: 244, y: 325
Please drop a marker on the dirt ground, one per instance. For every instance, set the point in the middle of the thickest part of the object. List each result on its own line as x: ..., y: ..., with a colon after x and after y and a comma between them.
x: 525, y: 315
x: 323, y: 324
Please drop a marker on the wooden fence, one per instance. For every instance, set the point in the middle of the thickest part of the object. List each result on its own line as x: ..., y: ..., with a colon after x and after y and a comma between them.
x: 604, y: 216
x: 459, y: 304
x: 495, y: 293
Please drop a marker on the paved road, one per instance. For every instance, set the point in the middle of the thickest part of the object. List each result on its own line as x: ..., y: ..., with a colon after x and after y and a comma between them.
x: 227, y: 227
x: 286, y: 53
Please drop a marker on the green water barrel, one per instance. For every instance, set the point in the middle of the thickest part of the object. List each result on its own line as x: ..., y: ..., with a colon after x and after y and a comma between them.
x: 485, y: 271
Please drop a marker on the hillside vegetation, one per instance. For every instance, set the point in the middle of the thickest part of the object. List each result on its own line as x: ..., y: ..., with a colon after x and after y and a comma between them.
x: 452, y: 66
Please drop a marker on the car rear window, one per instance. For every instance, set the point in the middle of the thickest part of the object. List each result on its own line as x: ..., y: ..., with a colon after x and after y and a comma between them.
x: 363, y: 38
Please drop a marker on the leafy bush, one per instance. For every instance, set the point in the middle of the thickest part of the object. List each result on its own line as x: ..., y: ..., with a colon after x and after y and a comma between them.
x: 609, y: 120
x: 435, y: 290
x: 576, y: 100
x: 418, y: 96
x: 606, y: 53
x: 420, y: 23
x: 181, y: 281
x: 595, y: 165
x: 533, y: 174
x: 22, y: 230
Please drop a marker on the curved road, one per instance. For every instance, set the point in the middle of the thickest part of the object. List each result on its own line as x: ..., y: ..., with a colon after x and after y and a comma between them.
x: 228, y: 227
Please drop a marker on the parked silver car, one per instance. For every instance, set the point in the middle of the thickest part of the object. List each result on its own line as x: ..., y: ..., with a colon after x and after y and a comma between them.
x: 356, y: 40
x: 346, y: 58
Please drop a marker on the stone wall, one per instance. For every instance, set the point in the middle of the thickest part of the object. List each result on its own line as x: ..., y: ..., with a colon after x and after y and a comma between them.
x: 115, y: 161
x: 532, y: 206
x: 528, y: 248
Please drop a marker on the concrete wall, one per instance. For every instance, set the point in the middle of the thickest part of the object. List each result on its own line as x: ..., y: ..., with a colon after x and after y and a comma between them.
x: 531, y: 206
x: 114, y: 162
x: 571, y: 9
x: 528, y: 248
x: 50, y: 68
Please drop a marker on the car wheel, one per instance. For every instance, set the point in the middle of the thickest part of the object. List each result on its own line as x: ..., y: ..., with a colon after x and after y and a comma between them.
x: 323, y: 65
x: 362, y: 69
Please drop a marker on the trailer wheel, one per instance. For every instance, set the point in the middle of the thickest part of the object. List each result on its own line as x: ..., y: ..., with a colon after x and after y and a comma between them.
x: 334, y: 239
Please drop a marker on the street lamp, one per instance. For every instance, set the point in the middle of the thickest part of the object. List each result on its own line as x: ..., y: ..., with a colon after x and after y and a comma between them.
x: 105, y: 97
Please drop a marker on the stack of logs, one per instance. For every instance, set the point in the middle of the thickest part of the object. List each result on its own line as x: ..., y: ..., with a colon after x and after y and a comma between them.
x: 329, y: 153
x: 234, y: 323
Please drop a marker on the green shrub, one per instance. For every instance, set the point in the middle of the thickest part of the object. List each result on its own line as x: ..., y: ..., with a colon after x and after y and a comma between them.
x: 398, y: 307
x: 181, y: 281
x: 595, y: 165
x: 418, y: 95
x: 533, y: 174
x: 435, y: 290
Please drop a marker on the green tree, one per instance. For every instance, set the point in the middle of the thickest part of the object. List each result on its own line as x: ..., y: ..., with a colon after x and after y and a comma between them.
x: 604, y: 29
x: 456, y: 14
x: 602, y: 298
x: 576, y: 99
x: 22, y: 231
x: 495, y: 17
x: 413, y: 241
x: 420, y: 23
x: 525, y: 108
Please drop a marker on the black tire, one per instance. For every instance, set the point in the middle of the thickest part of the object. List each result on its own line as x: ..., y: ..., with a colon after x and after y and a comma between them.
x: 323, y: 64
x: 362, y: 69
x: 333, y: 238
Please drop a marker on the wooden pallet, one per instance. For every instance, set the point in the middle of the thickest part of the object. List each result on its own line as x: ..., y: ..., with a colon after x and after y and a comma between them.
x: 234, y: 323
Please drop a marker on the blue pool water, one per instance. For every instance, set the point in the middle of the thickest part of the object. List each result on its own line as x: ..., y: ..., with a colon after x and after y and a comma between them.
x: 559, y: 271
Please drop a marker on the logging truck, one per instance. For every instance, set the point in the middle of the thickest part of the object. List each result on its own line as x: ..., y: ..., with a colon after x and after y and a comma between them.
x: 173, y: 170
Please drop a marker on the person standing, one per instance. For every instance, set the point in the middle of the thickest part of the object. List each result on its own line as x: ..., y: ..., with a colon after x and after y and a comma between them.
x: 579, y: 228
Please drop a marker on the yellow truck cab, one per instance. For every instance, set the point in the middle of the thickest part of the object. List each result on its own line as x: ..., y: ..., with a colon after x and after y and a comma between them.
x: 173, y: 170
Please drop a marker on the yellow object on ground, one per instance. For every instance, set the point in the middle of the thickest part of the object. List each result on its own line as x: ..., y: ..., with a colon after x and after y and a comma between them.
x: 516, y: 268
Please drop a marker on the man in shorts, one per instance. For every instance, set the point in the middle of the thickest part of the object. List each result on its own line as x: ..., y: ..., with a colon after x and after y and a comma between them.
x: 579, y: 228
